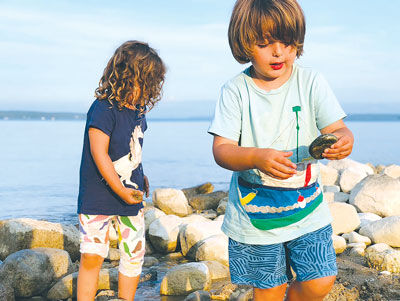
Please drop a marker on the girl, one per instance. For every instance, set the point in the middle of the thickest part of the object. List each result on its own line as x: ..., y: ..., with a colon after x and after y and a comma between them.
x: 112, y: 182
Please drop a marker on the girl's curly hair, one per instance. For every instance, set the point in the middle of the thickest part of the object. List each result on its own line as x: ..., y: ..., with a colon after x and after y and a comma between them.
x: 134, y: 77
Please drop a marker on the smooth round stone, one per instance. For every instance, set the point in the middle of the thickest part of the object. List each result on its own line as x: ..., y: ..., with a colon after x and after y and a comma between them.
x: 321, y: 143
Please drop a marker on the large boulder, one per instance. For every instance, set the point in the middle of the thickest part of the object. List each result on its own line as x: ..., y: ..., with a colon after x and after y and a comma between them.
x: 66, y: 287
x: 386, y: 230
x: 383, y: 258
x: 31, y: 272
x: 213, y: 248
x: 163, y: 233
x: 340, y: 197
x: 186, y: 278
x: 379, y: 194
x: 26, y: 233
x: 207, y: 201
x: 392, y: 171
x: 347, y: 163
x: 200, y: 189
x: 217, y: 270
x: 350, y: 177
x: 171, y: 201
x: 368, y: 217
x: 329, y: 175
x: 192, y: 233
x: 345, y: 218
x: 150, y: 215
x: 6, y: 292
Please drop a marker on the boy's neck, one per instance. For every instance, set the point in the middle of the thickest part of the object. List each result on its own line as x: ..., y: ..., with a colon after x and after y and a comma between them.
x: 269, y: 84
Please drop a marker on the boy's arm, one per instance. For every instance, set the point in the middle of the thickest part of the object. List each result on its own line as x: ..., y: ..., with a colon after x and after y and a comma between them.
x: 99, y: 142
x: 343, y: 147
x: 228, y: 154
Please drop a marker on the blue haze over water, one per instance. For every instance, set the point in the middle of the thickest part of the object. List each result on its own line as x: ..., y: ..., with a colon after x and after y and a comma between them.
x: 40, y: 160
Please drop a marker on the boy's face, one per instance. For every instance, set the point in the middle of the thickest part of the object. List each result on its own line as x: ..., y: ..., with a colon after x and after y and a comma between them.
x: 273, y: 62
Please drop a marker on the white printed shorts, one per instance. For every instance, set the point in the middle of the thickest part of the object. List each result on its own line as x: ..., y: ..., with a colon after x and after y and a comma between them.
x: 94, y: 239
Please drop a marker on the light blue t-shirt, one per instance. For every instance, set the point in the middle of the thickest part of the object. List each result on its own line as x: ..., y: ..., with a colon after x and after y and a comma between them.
x: 257, y: 118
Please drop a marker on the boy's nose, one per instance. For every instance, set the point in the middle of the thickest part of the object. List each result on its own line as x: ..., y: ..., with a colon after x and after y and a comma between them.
x: 277, y: 49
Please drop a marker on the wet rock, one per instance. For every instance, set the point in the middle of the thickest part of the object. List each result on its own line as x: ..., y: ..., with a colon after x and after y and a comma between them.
x: 150, y: 261
x: 383, y: 258
x: 207, y: 201
x: 345, y: 218
x: 386, y: 230
x: 186, y: 278
x: 200, y: 189
x: 379, y: 194
x: 171, y: 201
x: 198, y: 296
x: 163, y: 233
x: 26, y: 233
x: 6, y: 292
x: 321, y: 143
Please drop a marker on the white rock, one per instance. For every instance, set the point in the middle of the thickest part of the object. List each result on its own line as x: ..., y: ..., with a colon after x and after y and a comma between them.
x: 379, y: 194
x: 354, y: 237
x: 194, y: 232
x: 383, y: 258
x: 392, y: 171
x: 346, y: 163
x: 329, y: 175
x: 220, y: 218
x: 386, y: 230
x: 339, y: 244
x: 150, y: 215
x: 357, y: 251
x: 358, y: 245
x: 163, y: 233
x: 194, y: 218
x: 368, y: 217
x: 340, y: 197
x: 350, y: 177
x: 345, y: 218
x: 26, y: 233
x: 213, y: 248
x: 172, y: 201
x: 186, y: 278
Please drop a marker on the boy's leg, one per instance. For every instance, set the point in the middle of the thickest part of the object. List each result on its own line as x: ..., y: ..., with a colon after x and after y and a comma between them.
x: 94, y: 248
x: 270, y: 294
x: 131, y: 230
x: 313, y: 259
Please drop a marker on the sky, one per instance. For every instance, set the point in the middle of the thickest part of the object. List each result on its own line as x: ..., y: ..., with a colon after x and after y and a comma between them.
x: 53, y: 53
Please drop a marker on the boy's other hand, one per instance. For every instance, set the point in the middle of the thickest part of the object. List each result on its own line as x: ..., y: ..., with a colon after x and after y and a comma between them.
x: 131, y: 196
x: 275, y: 163
x: 146, y: 188
x: 341, y: 149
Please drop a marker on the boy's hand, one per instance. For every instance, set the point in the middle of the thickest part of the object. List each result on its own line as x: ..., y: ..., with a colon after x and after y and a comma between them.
x: 146, y: 187
x: 343, y: 147
x: 274, y: 163
x: 131, y: 196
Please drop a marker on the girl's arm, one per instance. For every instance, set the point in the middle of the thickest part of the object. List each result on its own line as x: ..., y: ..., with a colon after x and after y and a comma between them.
x: 344, y: 146
x: 228, y: 154
x: 99, y: 142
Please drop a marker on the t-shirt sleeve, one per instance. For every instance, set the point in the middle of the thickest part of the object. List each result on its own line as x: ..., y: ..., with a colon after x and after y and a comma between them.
x: 102, y: 117
x: 327, y: 107
x: 227, y: 121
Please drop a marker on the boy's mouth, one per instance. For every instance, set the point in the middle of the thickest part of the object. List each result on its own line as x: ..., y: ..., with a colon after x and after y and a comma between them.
x: 276, y: 66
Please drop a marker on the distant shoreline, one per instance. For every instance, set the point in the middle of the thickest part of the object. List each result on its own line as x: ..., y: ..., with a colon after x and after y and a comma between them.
x: 65, y: 116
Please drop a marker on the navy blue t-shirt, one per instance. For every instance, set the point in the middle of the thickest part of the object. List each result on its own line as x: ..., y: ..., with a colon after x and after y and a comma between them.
x: 125, y: 129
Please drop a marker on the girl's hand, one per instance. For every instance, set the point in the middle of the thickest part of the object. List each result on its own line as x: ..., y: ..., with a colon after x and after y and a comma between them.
x: 344, y: 146
x: 146, y: 189
x: 131, y: 196
x: 274, y: 163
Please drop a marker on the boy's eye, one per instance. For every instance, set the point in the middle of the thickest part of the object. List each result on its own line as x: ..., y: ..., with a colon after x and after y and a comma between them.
x: 262, y: 45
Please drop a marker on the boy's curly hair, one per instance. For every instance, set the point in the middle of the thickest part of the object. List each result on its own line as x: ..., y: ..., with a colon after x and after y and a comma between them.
x: 253, y: 21
x: 133, y: 78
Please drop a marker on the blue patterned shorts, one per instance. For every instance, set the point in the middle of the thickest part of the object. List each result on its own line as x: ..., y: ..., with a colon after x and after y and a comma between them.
x: 311, y: 256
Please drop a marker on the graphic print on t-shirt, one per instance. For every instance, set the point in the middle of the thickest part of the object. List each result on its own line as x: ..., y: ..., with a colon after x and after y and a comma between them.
x: 125, y: 165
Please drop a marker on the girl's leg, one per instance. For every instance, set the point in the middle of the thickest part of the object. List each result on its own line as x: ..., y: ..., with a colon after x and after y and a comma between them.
x: 270, y: 294
x: 88, y: 276
x: 312, y: 290
x: 94, y: 248
x: 131, y: 231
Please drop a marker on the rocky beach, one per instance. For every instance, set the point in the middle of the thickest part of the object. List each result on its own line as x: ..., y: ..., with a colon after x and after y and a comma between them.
x: 186, y: 251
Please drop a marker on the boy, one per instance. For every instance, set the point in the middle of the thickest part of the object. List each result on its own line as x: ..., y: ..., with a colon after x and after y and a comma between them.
x: 266, y: 118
